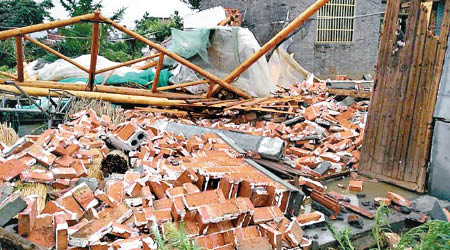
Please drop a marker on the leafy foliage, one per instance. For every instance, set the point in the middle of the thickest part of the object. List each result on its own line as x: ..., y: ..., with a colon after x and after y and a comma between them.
x: 381, y: 225
x: 342, y: 237
x: 19, y: 13
x: 193, y: 4
x: 156, y: 28
x: 80, y: 43
x: 432, y: 235
x: 80, y: 7
x: 173, y: 238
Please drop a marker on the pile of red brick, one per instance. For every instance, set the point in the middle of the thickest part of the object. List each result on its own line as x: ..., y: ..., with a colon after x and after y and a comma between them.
x: 330, y: 132
x: 222, y: 201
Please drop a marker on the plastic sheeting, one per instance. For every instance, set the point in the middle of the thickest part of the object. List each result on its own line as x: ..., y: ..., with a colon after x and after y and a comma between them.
x: 61, y: 69
x: 142, y: 78
x: 205, y: 19
x: 230, y: 46
x: 189, y: 43
x: 285, y: 70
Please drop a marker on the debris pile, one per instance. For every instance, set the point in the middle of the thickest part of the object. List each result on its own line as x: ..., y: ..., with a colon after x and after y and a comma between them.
x: 323, y: 136
x: 154, y: 177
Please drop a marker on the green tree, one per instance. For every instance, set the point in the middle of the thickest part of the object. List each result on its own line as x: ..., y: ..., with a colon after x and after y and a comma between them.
x: 81, y: 44
x: 19, y: 13
x: 193, y: 4
x: 80, y: 7
x: 158, y: 29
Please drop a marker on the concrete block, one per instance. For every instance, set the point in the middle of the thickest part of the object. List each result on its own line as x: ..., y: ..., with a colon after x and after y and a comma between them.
x: 10, y: 207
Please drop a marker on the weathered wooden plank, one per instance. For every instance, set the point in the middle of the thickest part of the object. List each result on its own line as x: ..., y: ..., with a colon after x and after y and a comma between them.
x: 351, y: 93
x: 407, y: 115
x: 404, y: 71
x: 426, y: 104
x: 385, y: 83
x: 392, y: 9
x: 415, y: 145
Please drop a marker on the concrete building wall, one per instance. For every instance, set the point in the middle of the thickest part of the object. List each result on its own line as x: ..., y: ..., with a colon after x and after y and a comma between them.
x: 266, y: 17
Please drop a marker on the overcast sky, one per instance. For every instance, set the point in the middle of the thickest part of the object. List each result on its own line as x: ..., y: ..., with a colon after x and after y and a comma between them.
x: 135, y: 9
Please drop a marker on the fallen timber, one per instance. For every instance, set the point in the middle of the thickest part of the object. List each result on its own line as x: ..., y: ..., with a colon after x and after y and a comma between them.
x: 216, y: 83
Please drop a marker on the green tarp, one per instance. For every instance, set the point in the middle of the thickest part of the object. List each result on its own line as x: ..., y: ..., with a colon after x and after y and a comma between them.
x: 141, y: 78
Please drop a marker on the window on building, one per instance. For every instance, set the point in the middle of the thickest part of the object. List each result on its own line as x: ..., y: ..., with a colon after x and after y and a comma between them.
x: 336, y: 22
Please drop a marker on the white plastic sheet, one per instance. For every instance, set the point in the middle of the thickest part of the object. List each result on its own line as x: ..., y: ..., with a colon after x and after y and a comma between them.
x: 285, y: 70
x: 230, y: 46
x: 61, y: 69
x: 205, y: 19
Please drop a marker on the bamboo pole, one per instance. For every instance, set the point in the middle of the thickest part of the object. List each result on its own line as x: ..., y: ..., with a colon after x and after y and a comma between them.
x: 182, y: 85
x: 94, y: 49
x: 104, y: 89
x: 19, y: 58
x: 8, y: 75
x: 158, y: 72
x: 44, y: 26
x: 126, y: 63
x: 283, y: 34
x: 47, y: 48
x: 176, y: 57
x: 225, y: 21
x: 148, y: 65
x: 115, y: 98
x: 276, y: 39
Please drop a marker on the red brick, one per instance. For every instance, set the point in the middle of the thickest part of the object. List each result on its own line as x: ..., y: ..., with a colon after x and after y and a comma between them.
x: 211, y: 241
x: 147, y: 197
x: 72, y: 149
x: 64, y: 173
x: 43, y: 233
x: 80, y: 168
x: 355, y: 186
x: 39, y: 176
x: 267, y: 215
x: 188, y: 176
x: 64, y: 161
x: 122, y: 231
x: 27, y: 217
x: 105, y: 198
x: 379, y: 200
x: 311, y: 113
x: 195, y: 200
x: 275, y: 237
x: 12, y: 168
x: 309, y: 217
x: 190, y: 188
x: 43, y: 157
x: 61, y: 183
x: 115, y: 190
x: 61, y: 229
x: 69, y: 203
x: 162, y: 204
x: 84, y: 196
x: 158, y: 189
x: 311, y: 184
x: 398, y: 199
x: 294, y: 234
